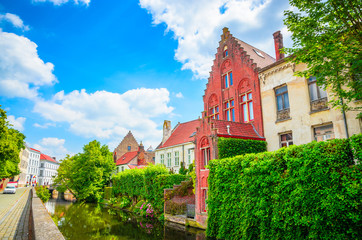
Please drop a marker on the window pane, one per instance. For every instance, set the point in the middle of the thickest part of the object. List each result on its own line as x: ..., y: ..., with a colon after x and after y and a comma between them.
x: 217, y: 109
x: 312, y: 79
x: 232, y: 103
x: 231, y: 79
x: 245, y: 113
x: 286, y: 100
x: 244, y: 98
x: 251, y: 110
x: 226, y: 81
x: 228, y: 115
x: 281, y: 90
x: 249, y: 96
x: 322, y: 93
x: 283, y: 137
x: 313, y: 91
x: 233, y: 114
x: 279, y: 103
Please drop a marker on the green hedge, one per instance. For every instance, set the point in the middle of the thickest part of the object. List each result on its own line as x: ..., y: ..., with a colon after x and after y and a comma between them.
x: 147, y: 184
x: 108, y: 193
x: 230, y: 147
x: 310, y: 191
x: 43, y: 193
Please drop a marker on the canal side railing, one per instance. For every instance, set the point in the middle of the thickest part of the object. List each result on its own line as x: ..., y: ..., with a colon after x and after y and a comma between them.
x: 43, y: 227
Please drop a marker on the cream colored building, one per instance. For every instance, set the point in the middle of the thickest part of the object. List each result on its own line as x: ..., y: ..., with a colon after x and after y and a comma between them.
x: 296, y: 110
x: 23, y: 166
x: 177, y: 146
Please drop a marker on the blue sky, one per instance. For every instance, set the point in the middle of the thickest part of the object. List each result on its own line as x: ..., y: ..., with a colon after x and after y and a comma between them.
x: 74, y: 71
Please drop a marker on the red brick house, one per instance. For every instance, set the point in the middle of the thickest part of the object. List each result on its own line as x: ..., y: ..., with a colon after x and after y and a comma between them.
x: 232, y: 106
x: 134, y: 159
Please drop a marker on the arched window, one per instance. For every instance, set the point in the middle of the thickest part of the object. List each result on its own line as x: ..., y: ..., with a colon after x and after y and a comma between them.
x: 225, y: 53
x: 205, y: 152
x: 247, y: 108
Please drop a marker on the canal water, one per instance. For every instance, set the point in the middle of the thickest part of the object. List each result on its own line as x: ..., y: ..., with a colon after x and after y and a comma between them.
x: 78, y: 221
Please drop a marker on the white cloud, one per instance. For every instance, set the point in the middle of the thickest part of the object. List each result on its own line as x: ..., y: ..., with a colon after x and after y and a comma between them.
x: 18, y: 123
x: 45, y: 125
x: 14, y: 20
x: 108, y: 115
x: 60, y: 2
x: 22, y: 72
x: 197, y: 26
x: 53, y: 147
x: 179, y: 95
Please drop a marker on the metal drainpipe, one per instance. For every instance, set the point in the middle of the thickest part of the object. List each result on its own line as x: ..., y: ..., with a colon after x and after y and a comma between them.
x: 344, y: 118
x: 183, y: 155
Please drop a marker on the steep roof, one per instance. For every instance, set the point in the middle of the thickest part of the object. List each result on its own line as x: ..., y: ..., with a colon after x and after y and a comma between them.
x: 183, y: 133
x: 236, y: 129
x: 47, y: 158
x: 262, y: 60
x: 126, y: 158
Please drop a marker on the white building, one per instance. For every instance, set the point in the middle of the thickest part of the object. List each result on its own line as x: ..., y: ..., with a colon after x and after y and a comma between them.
x: 48, y: 169
x: 33, y: 166
x: 177, y: 146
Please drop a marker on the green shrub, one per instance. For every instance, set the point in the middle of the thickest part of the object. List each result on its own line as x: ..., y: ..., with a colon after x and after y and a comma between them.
x: 310, y: 191
x: 230, y: 147
x: 43, y: 193
x: 107, y: 192
x: 146, y: 184
x: 356, y: 144
x: 174, y: 208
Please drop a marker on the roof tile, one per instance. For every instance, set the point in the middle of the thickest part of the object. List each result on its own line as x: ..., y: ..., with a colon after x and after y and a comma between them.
x: 126, y: 158
x: 183, y: 133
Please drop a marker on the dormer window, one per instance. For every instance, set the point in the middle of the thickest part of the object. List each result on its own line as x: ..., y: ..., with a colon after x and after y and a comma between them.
x: 228, y: 79
x: 225, y: 54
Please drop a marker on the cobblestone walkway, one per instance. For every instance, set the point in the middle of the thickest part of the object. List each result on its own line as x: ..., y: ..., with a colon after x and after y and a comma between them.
x: 14, y: 214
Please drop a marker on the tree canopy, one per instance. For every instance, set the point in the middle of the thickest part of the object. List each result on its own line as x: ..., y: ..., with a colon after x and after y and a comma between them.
x: 11, y: 143
x: 327, y: 37
x: 86, y: 174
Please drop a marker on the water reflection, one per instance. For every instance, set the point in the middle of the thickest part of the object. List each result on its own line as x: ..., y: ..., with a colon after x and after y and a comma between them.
x: 90, y: 221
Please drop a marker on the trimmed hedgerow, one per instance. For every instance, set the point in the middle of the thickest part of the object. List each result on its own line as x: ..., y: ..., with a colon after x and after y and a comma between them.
x: 108, y: 193
x: 356, y: 144
x: 230, y: 147
x: 310, y: 191
x: 146, y: 184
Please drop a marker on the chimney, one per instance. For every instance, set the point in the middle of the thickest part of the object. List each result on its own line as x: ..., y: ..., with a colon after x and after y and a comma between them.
x: 166, y: 131
x: 228, y: 129
x: 141, y: 155
x: 278, y: 43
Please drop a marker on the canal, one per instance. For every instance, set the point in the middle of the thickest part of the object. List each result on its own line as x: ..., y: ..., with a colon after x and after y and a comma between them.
x: 91, y: 221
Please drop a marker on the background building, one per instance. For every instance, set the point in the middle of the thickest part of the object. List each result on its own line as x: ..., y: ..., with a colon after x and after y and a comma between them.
x: 33, y: 166
x: 23, y: 166
x: 48, y: 169
x: 177, y: 146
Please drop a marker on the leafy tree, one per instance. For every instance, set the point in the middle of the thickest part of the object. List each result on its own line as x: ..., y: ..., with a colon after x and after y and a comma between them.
x: 11, y: 143
x: 327, y: 37
x: 86, y: 174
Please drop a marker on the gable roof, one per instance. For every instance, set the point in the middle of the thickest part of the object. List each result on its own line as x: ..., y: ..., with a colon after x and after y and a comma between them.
x: 183, y: 133
x: 236, y: 129
x: 47, y: 158
x: 126, y: 158
x: 35, y: 150
x: 260, y: 61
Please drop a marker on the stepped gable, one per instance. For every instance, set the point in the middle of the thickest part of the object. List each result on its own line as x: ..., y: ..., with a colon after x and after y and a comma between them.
x: 235, y: 129
x: 126, y: 158
x: 182, y: 133
x: 128, y: 144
